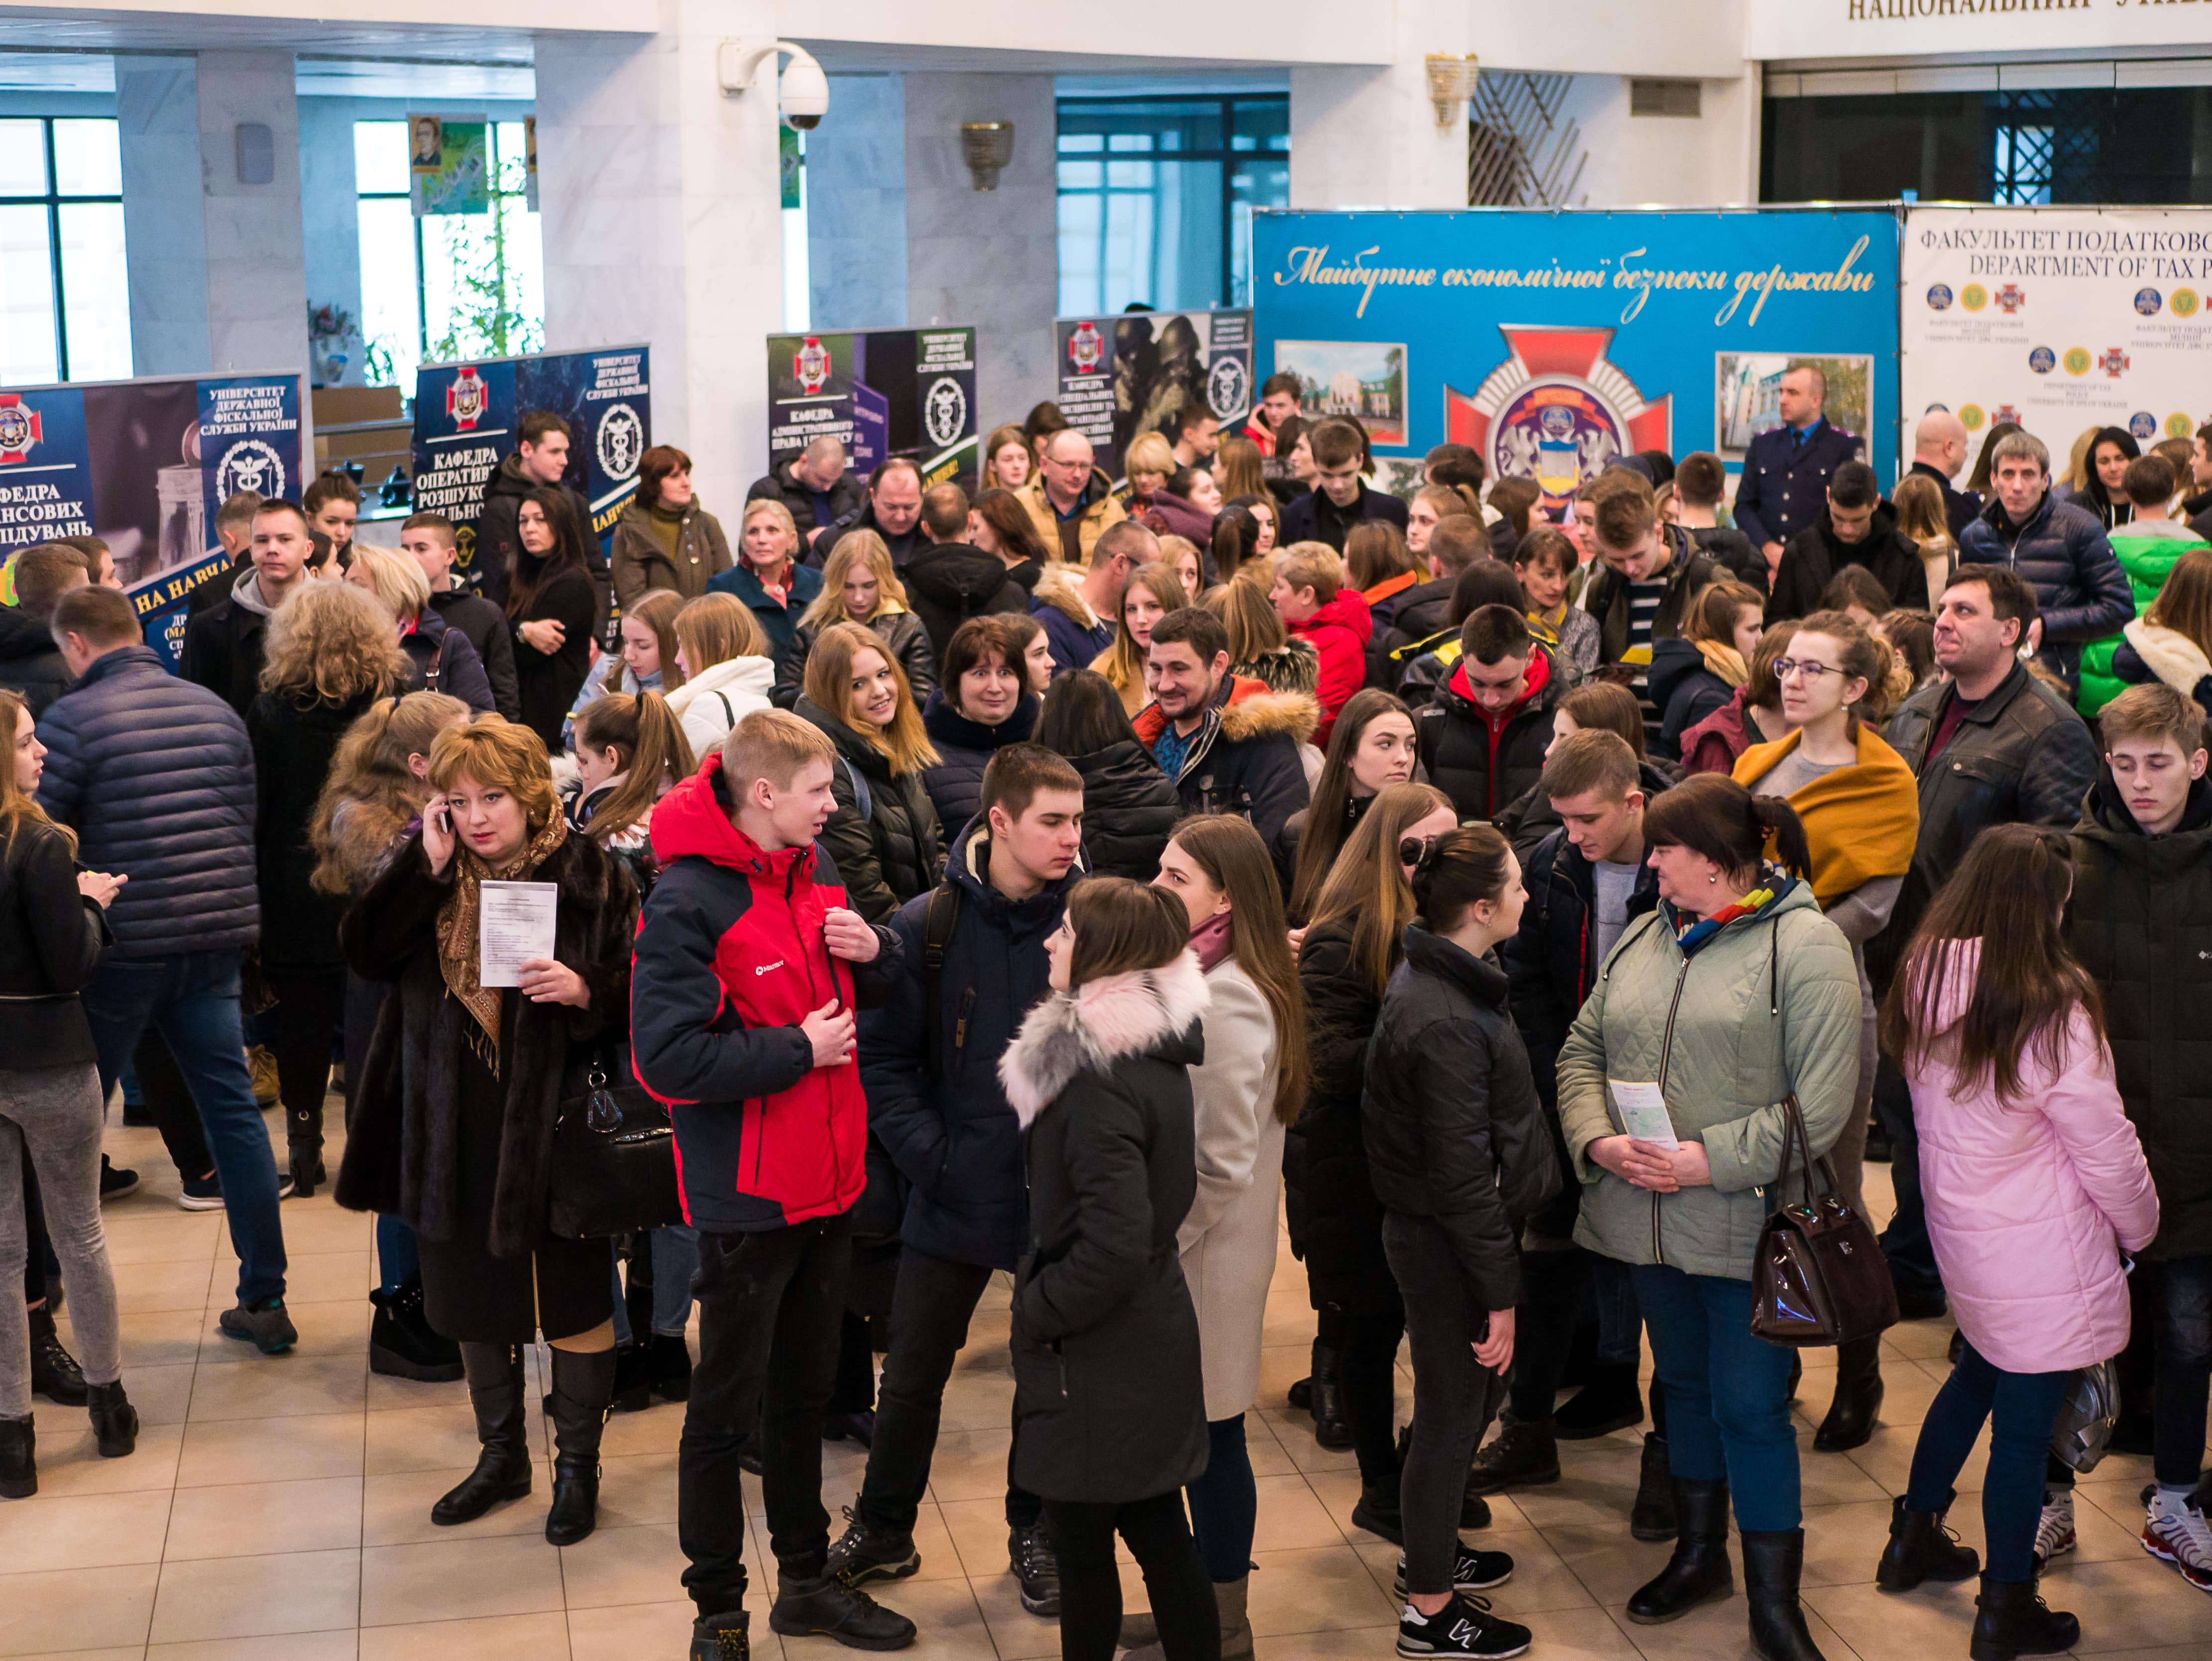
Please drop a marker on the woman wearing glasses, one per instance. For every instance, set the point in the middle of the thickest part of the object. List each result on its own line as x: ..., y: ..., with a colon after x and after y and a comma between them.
x: 1861, y: 810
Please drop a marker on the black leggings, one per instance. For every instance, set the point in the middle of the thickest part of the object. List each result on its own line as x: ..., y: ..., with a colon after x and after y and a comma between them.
x: 1367, y: 1372
x: 1091, y: 1586
x: 300, y: 1028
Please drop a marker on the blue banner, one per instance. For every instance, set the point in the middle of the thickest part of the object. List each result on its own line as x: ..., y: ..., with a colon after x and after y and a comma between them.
x: 144, y: 464
x: 465, y: 415
x: 1554, y: 342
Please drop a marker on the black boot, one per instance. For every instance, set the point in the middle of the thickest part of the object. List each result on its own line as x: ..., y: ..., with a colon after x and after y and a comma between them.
x: 583, y: 1385
x: 2010, y: 1621
x: 633, y: 1378
x: 402, y: 1344
x: 1698, y: 1570
x: 1610, y: 1402
x: 833, y: 1607
x: 1522, y: 1456
x: 114, y: 1421
x: 1772, y: 1566
x: 722, y: 1637
x: 1331, y: 1429
x: 19, y: 1464
x: 1851, y: 1420
x: 303, y: 1136
x: 54, y: 1371
x: 502, y: 1472
x: 1652, y: 1517
x: 1376, y: 1511
x: 1921, y: 1548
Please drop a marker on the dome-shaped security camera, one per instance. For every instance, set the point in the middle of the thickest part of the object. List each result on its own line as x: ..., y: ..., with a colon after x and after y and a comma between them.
x: 803, y: 89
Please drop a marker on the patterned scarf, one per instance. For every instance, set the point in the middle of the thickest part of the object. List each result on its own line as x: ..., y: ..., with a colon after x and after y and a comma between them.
x: 1773, y: 884
x: 457, y: 930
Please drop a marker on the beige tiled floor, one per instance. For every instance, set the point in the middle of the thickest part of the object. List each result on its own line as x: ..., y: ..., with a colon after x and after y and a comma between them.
x: 276, y: 1509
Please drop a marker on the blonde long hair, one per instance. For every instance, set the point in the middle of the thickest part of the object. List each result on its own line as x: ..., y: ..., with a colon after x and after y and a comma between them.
x: 1122, y: 663
x: 370, y: 792
x: 854, y: 548
x: 829, y: 687
x: 715, y: 628
x: 330, y: 644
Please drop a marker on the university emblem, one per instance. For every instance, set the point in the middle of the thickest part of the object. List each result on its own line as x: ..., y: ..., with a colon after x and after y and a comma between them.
x: 466, y: 399
x: 2009, y: 299
x: 2114, y: 362
x: 1557, y: 410
x: 1086, y: 348
x: 249, y: 464
x: 19, y: 429
x: 812, y: 365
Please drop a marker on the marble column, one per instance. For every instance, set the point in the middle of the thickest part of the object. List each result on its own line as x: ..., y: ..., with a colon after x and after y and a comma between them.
x: 257, y: 269
x: 856, y: 205
x: 659, y: 200
x: 164, y: 218
x: 329, y: 210
x: 1362, y: 136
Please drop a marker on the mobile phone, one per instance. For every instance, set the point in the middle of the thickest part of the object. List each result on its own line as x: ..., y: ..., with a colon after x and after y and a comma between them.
x: 444, y: 815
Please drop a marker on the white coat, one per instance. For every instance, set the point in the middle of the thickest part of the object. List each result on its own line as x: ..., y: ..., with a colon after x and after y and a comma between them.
x: 1228, y: 1240
x: 718, y: 697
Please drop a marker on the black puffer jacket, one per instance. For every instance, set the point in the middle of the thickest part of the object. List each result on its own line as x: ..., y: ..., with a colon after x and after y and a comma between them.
x: 1128, y: 808
x: 31, y: 665
x: 435, y: 646
x: 292, y: 752
x: 1684, y: 689
x: 1417, y: 616
x: 1336, y: 1221
x: 1483, y: 767
x: 2063, y: 552
x: 155, y: 775
x: 2141, y: 922
x: 1815, y: 554
x: 950, y: 582
x: 964, y: 749
x: 897, y: 851
x: 902, y: 637
x: 1454, y: 1130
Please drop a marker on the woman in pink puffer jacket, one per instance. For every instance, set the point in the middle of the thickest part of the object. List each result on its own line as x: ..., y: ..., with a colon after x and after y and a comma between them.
x: 2035, y: 1185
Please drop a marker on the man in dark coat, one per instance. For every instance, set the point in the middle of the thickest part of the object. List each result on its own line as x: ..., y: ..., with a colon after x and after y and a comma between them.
x: 892, y: 511
x: 2140, y: 922
x: 1939, y: 451
x: 2082, y: 590
x: 1339, y: 498
x: 1990, y: 745
x: 1786, y: 469
x: 223, y: 644
x: 815, y: 486
x: 155, y: 775
x: 539, y: 461
x: 973, y: 963
x: 430, y: 541
x: 1856, y: 527
x: 1700, y: 483
x: 1229, y: 744
x: 31, y: 665
x: 950, y: 580
x: 1482, y: 738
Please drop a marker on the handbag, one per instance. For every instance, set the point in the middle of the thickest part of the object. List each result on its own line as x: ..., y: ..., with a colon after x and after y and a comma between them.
x: 1820, y: 1276
x: 614, y: 1159
x: 2086, y: 1418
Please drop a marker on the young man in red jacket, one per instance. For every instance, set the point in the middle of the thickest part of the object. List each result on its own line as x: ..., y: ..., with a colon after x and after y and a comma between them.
x: 1310, y: 597
x: 742, y: 1009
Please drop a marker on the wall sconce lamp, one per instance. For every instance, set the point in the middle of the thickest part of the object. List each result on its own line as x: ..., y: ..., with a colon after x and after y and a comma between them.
x: 986, y: 147
x: 1451, y: 83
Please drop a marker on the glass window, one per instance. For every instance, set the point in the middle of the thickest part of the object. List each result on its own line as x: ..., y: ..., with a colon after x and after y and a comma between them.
x: 64, y: 285
x: 450, y: 285
x: 1157, y: 194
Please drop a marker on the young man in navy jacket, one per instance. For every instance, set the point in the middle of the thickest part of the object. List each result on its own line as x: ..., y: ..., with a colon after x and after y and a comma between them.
x: 747, y: 965
x: 973, y: 962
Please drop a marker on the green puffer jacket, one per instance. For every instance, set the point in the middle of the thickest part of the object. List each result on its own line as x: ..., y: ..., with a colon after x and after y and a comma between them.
x: 2147, y: 560
x: 1769, y: 1001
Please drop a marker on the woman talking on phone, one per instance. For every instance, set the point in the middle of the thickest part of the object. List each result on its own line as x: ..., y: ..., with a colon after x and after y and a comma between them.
x: 452, y: 1125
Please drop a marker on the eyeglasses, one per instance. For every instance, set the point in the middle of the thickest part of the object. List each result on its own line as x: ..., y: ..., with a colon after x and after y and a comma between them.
x: 1785, y: 667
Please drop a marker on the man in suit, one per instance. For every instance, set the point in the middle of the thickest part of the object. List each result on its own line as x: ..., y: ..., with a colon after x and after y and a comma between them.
x: 1939, y: 451
x: 1786, y: 469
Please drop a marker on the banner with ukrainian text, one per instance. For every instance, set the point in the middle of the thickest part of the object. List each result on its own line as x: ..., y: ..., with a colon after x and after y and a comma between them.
x: 2063, y: 319
x: 1554, y: 341
x: 144, y: 464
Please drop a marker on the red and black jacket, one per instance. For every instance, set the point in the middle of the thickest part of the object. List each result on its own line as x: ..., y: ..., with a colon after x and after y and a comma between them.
x: 730, y: 959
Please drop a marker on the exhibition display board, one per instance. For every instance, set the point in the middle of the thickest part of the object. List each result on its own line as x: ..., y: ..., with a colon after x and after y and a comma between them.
x: 882, y: 392
x: 2060, y: 319
x: 1555, y: 341
x: 465, y: 415
x: 144, y: 464
x: 1128, y: 373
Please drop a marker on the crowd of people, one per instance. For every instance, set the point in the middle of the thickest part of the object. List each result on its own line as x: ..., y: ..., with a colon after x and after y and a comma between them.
x: 1074, y: 879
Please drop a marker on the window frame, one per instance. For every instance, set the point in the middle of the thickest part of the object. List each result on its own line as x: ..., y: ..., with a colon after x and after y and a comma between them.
x: 53, y: 202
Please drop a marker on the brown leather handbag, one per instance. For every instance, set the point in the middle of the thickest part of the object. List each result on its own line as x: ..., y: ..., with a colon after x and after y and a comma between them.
x: 1820, y: 1277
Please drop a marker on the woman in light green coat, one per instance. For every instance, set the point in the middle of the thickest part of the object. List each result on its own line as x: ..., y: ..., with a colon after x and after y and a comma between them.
x: 1734, y: 992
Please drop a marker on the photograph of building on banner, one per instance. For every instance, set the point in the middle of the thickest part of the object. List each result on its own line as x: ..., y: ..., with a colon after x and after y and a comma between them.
x: 1748, y: 391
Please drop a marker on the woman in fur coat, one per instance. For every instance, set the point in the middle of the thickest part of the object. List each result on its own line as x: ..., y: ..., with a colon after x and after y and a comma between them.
x: 1109, y: 1397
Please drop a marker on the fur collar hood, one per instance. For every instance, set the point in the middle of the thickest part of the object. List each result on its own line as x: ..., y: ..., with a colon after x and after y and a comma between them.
x: 2170, y: 654
x: 1102, y: 1022
x: 1294, y: 713
x: 1060, y: 587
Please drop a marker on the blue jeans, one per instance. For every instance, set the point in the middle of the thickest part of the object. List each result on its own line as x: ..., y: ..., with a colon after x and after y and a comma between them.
x: 1727, y: 1394
x: 1224, y: 1502
x: 192, y: 1000
x: 675, y: 1260
x: 1905, y: 1242
x: 1620, y: 1323
x: 2021, y: 1407
x: 398, y: 1259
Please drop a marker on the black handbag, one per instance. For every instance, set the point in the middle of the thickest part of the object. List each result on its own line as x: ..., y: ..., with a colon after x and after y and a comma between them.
x: 1820, y: 1276
x: 614, y: 1159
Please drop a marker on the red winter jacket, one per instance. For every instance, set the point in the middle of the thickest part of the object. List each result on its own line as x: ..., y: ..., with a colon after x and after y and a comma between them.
x: 729, y: 959
x: 1340, y: 631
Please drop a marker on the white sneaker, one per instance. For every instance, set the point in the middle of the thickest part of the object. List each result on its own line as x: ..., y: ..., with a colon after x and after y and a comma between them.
x: 2054, y: 1535
x: 2176, y: 1532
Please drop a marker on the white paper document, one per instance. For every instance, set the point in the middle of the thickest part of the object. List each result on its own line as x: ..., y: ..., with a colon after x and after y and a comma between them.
x: 1642, y: 1112
x: 514, y: 925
